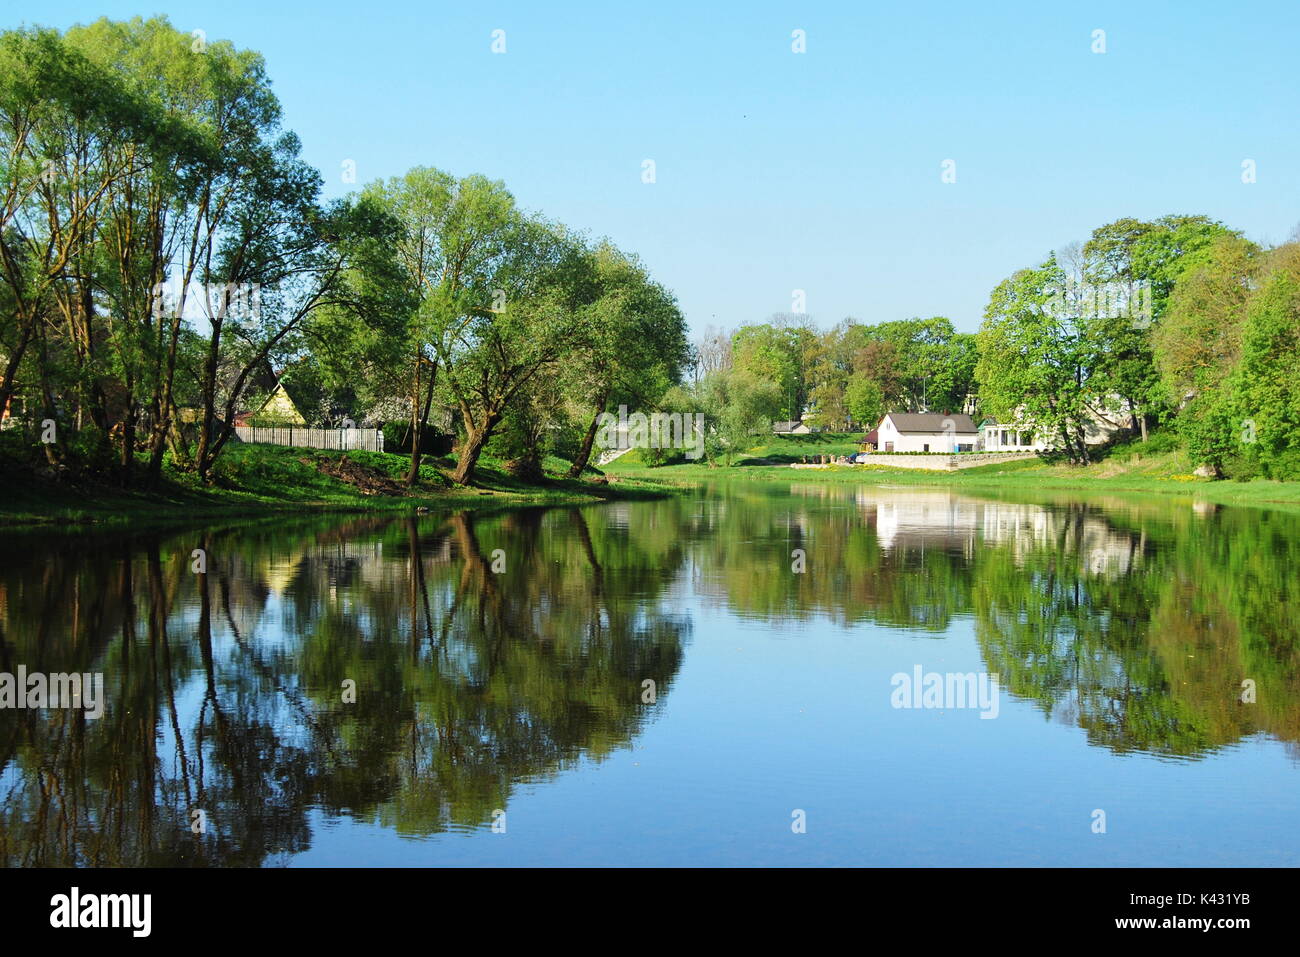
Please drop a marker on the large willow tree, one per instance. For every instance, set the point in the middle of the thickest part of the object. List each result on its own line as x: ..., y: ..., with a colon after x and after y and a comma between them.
x: 160, y: 238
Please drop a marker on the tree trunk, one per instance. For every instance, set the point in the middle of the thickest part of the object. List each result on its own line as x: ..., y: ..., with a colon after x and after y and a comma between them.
x: 7, y: 389
x: 210, y: 447
x: 176, y: 442
x: 164, y: 429
x: 53, y: 455
x: 419, y: 424
x: 584, y: 453
x: 413, y: 474
x: 476, y: 437
x: 126, y: 460
x: 207, y: 421
x: 1082, y: 445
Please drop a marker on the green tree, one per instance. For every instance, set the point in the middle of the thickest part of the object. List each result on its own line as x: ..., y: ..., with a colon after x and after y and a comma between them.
x: 773, y: 353
x: 919, y: 352
x: 866, y: 401
x: 1122, y: 257
x: 1035, y: 358
x: 1268, y: 381
x: 828, y: 361
x: 1197, y: 347
x: 450, y: 232
x: 954, y: 373
x: 635, y: 348
x: 517, y: 318
x: 737, y: 405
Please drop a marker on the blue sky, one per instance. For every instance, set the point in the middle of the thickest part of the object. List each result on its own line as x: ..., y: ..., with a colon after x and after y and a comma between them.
x: 778, y: 171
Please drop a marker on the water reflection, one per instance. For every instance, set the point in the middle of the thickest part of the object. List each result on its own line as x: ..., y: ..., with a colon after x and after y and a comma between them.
x: 1138, y: 621
x: 488, y: 652
x: 227, y: 689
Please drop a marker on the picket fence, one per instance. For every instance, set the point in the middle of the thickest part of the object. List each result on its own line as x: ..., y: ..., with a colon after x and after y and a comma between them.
x: 366, y: 440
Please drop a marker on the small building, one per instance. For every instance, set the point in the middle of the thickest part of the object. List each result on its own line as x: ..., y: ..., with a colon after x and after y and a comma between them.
x: 278, y: 409
x: 793, y: 427
x: 1018, y: 435
x: 934, y: 432
x: 1009, y: 437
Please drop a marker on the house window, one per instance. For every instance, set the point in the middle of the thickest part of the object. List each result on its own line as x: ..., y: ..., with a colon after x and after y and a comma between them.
x: 1026, y: 438
x: 926, y: 447
x: 889, y: 446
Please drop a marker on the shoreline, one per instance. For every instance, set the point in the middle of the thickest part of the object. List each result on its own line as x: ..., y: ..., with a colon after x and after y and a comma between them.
x: 280, y: 483
x: 1023, y: 477
x: 106, y: 513
x: 283, y: 483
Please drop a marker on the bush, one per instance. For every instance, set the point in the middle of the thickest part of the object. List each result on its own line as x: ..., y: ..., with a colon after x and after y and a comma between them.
x: 1160, y: 440
x: 1242, y: 468
x: 397, y: 438
x: 88, y: 450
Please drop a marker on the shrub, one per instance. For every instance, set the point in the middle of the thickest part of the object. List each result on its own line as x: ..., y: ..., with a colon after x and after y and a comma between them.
x: 397, y: 438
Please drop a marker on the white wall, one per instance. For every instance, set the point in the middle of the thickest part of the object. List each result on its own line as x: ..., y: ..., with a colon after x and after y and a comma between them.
x: 945, y: 442
x: 1095, y: 432
x: 993, y: 442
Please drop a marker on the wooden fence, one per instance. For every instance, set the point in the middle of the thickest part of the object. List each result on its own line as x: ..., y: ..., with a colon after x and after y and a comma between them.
x: 367, y: 440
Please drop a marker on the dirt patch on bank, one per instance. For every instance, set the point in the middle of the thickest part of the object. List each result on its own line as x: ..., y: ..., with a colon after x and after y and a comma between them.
x: 366, y: 480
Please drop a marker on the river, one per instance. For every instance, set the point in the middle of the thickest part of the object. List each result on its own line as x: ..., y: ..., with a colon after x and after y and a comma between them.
x: 747, y: 674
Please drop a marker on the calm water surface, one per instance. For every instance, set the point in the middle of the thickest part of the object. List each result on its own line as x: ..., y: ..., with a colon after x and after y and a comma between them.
x: 501, y: 711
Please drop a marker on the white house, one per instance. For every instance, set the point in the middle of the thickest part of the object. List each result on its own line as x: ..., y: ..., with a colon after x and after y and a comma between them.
x: 1020, y: 436
x: 799, y: 426
x: 1005, y: 436
x: 926, y: 432
x: 793, y: 427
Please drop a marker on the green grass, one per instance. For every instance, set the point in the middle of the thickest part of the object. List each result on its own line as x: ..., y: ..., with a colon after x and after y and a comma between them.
x: 787, y: 449
x: 771, y: 450
x: 257, y: 479
x: 1155, y: 467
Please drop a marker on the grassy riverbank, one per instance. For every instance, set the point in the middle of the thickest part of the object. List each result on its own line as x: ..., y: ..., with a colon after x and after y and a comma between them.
x: 256, y: 481
x: 1155, y: 468
x: 261, y: 479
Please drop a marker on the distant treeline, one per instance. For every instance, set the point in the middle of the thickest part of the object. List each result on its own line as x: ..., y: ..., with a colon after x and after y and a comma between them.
x: 1180, y: 324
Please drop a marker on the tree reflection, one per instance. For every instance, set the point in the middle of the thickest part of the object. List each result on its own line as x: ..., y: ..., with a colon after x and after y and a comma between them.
x: 1136, y: 621
x: 490, y: 651
x: 226, y: 688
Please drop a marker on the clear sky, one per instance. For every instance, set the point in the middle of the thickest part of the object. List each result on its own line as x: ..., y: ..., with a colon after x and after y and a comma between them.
x: 778, y: 171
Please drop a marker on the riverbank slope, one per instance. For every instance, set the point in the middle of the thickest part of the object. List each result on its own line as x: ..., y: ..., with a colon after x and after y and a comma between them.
x: 262, y: 479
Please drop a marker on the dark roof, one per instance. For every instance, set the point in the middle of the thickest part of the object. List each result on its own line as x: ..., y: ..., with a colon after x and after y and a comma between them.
x: 930, y: 422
